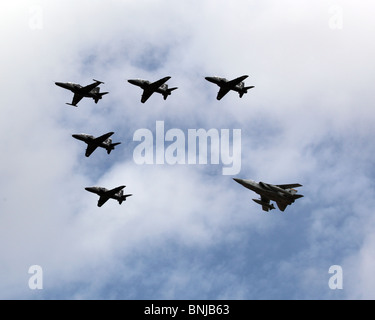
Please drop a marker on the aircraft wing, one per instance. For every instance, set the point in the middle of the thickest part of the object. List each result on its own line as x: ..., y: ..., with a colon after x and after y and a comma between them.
x: 76, y: 98
x: 289, y: 186
x: 113, y: 191
x: 91, y: 147
x: 146, y: 94
x: 236, y: 81
x: 222, y: 92
x: 91, y: 86
x: 103, y: 138
x: 158, y: 83
x: 102, y: 200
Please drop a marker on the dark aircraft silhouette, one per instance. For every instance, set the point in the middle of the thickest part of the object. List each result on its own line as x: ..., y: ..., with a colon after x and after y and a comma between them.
x: 225, y: 86
x: 149, y: 88
x: 103, y: 141
x: 283, y: 194
x: 105, y: 194
x: 89, y: 91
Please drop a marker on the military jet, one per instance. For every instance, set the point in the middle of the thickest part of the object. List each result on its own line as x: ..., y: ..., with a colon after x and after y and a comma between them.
x: 103, y: 141
x: 105, y: 194
x: 89, y: 91
x: 225, y: 85
x: 149, y: 88
x: 282, y: 194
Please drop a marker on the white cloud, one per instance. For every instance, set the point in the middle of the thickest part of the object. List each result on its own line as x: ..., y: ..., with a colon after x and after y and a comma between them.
x: 188, y: 231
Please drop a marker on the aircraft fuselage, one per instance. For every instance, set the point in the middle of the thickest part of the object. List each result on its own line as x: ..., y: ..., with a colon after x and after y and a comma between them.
x: 223, y: 82
x: 89, y: 139
x: 146, y: 85
x: 269, y: 191
x: 77, y: 88
x: 106, y: 194
x: 101, y: 191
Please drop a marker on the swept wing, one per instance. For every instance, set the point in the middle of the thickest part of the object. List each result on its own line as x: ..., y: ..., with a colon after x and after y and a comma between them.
x: 102, y: 200
x: 152, y: 87
x: 222, y: 92
x: 113, y: 191
x: 155, y: 85
x: 234, y: 82
x: 108, y: 194
x: 76, y: 98
x: 229, y: 86
x: 91, y: 147
x: 91, y: 86
x: 289, y: 186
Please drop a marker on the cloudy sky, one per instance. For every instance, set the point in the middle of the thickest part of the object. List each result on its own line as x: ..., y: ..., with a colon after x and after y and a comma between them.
x: 189, y: 231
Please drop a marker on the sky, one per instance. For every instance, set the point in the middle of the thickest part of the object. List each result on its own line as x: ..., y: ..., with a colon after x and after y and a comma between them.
x: 189, y: 231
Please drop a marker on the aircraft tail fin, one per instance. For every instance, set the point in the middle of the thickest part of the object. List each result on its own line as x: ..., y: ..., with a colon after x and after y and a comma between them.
x: 123, y: 197
x: 281, y: 205
x: 168, y: 92
x: 112, y: 147
x: 244, y: 90
x: 297, y: 196
x: 249, y: 87
x: 100, y: 96
x: 294, y: 194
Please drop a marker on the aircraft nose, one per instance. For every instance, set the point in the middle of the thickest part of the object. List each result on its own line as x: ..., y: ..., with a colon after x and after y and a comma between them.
x: 237, y: 180
x: 91, y: 189
x: 62, y: 85
x: 133, y: 81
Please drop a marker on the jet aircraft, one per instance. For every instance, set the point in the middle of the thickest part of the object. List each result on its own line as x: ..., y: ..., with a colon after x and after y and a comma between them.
x: 105, y: 194
x: 90, y: 91
x: 103, y: 141
x: 282, y: 194
x: 226, y: 85
x: 150, y: 87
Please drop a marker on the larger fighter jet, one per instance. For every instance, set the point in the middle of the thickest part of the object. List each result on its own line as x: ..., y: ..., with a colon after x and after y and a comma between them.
x: 227, y: 85
x: 90, y: 91
x: 103, y: 141
x: 149, y: 88
x: 105, y: 194
x: 282, y: 194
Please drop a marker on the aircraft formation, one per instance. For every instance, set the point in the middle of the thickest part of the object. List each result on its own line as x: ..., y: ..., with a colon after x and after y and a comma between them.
x: 148, y: 88
x: 282, y: 194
